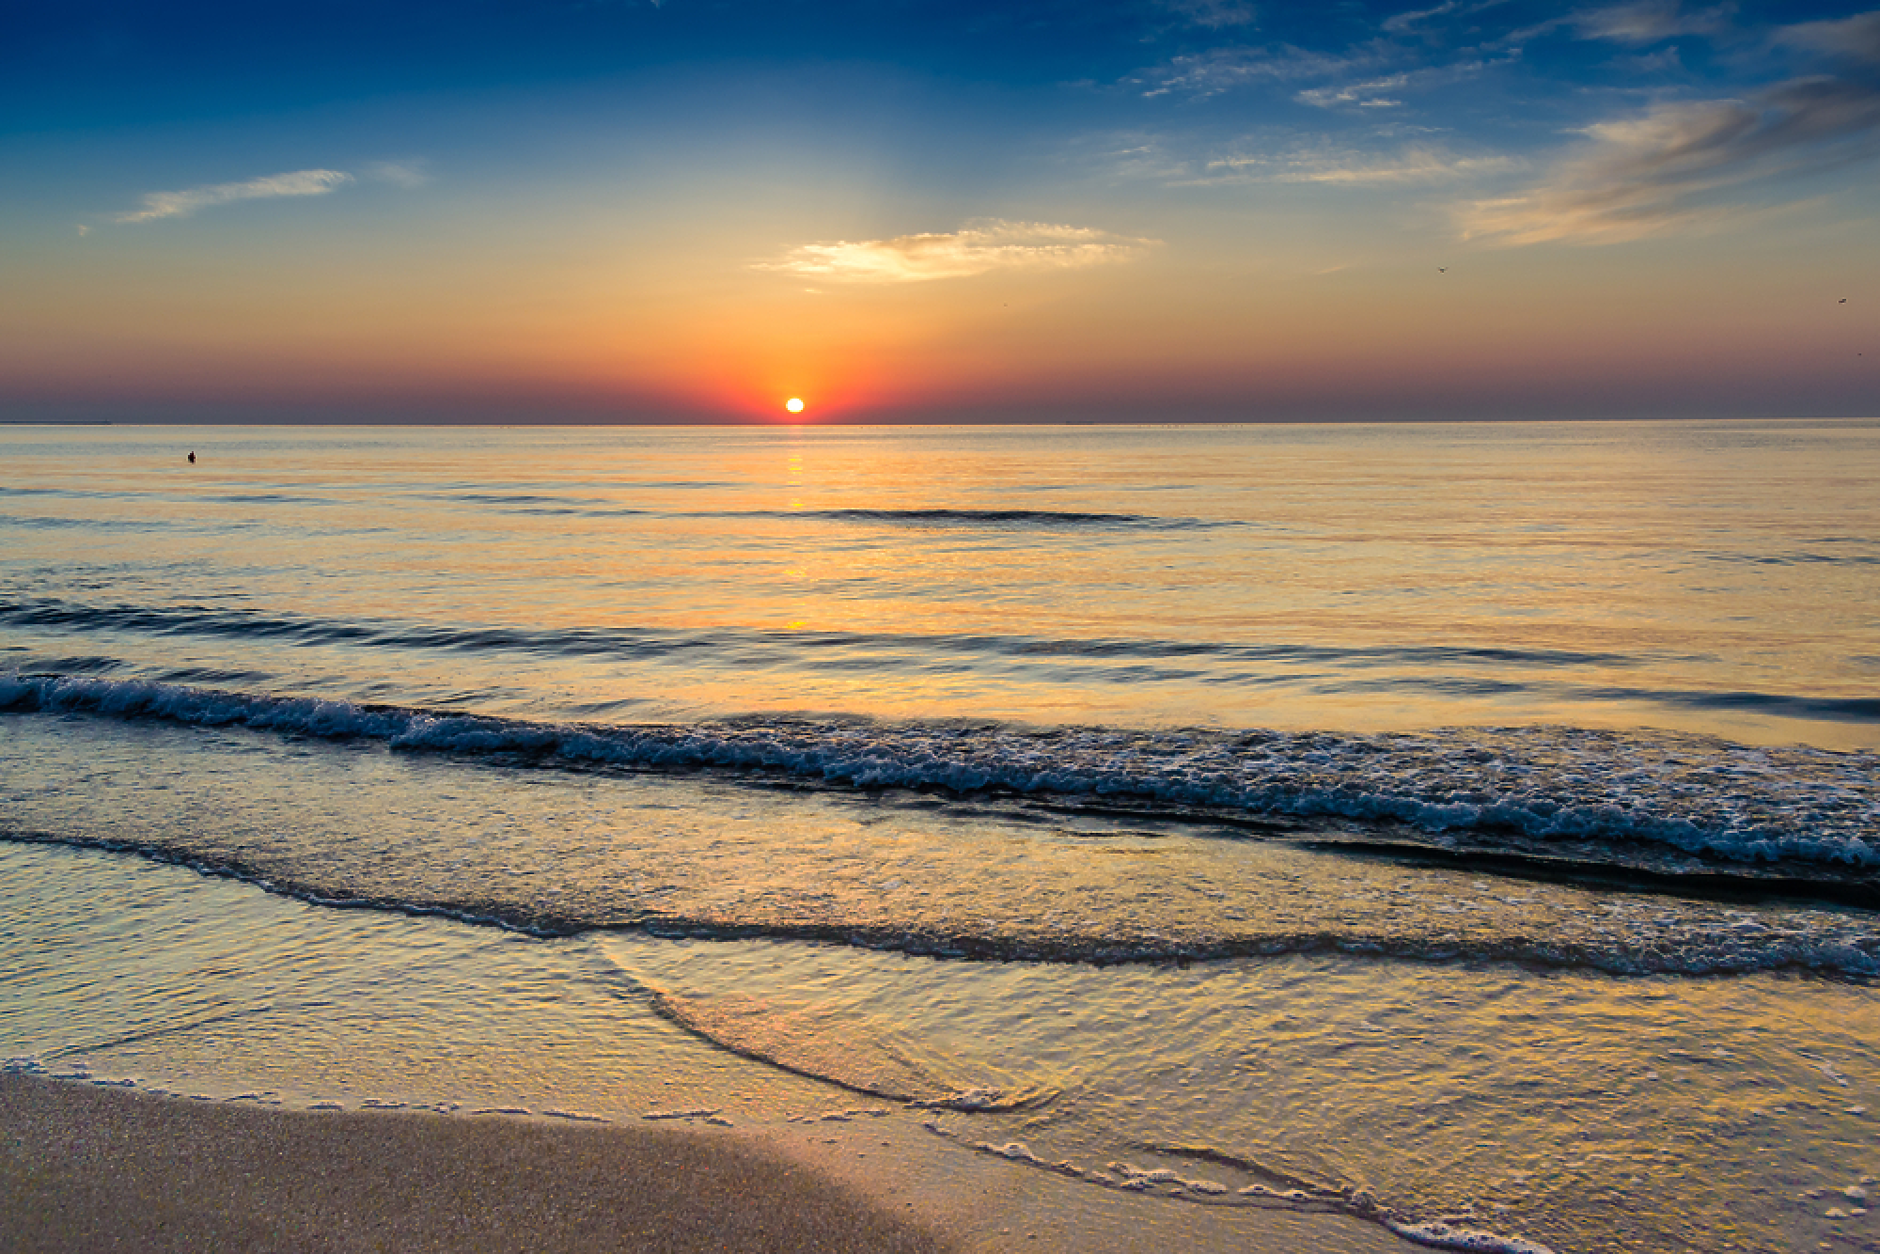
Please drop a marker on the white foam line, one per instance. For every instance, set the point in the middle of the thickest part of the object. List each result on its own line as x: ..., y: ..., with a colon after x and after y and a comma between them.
x: 1441, y: 1236
x: 1550, y: 783
x: 1163, y: 1182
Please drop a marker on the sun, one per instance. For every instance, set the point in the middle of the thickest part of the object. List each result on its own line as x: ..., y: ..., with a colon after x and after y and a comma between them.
x: 794, y: 404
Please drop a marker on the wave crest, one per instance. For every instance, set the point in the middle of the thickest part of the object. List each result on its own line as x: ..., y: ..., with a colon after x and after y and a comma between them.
x: 1690, y: 794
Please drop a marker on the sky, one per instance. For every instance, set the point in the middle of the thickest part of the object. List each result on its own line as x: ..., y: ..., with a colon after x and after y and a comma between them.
x: 904, y: 210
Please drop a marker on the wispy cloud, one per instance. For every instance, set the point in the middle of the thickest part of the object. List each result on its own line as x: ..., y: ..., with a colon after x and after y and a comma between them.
x: 1674, y: 166
x: 1409, y: 21
x: 1854, y: 38
x: 1420, y: 18
x: 1383, y: 92
x: 1223, y: 69
x: 1366, y: 95
x: 1419, y: 164
x: 1649, y: 21
x: 181, y: 204
x: 1214, y: 14
x: 978, y: 248
x: 1369, y: 75
x: 1438, y: 45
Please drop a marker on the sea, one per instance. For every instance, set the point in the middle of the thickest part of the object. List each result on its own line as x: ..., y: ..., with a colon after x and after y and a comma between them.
x: 1467, y: 830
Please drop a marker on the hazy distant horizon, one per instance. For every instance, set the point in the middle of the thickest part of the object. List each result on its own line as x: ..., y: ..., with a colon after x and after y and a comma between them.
x: 965, y: 421
x: 738, y: 424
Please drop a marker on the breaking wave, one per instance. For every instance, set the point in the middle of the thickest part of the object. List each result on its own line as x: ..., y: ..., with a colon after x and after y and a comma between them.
x: 1790, y: 807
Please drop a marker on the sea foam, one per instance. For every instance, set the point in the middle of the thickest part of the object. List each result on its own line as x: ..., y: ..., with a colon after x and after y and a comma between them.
x: 1691, y: 794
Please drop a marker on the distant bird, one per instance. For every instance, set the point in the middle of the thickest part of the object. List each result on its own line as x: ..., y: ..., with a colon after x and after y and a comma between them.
x: 1844, y: 300
x: 1442, y: 269
x: 192, y: 457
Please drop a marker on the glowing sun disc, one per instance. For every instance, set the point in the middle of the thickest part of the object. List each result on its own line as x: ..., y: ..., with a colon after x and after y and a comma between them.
x: 794, y: 405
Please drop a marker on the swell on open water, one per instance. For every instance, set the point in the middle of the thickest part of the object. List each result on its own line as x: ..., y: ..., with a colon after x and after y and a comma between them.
x: 1595, y: 699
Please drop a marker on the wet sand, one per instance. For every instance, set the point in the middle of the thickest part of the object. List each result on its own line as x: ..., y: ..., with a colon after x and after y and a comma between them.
x: 86, y: 1168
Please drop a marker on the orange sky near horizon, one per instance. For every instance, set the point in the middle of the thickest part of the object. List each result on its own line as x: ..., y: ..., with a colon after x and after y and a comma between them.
x: 1169, y: 333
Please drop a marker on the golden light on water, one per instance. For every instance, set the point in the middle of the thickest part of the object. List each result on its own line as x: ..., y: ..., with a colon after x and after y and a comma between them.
x: 794, y: 405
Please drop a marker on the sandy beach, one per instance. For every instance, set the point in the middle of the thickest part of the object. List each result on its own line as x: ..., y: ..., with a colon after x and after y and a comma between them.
x: 87, y: 1168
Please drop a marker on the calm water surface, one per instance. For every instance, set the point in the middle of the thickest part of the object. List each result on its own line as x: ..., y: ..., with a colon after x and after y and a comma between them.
x: 1471, y: 829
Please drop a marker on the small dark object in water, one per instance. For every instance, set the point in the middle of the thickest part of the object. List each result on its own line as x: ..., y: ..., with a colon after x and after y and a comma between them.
x: 192, y: 457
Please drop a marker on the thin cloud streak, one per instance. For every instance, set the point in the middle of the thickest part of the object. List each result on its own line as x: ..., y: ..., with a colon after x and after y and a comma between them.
x: 979, y: 248
x: 1650, y: 175
x: 1649, y: 21
x: 1854, y: 38
x: 1412, y: 165
x: 1369, y: 94
x: 1407, y: 21
x: 1223, y: 69
x: 158, y: 205
x: 1366, y: 95
x: 1213, y: 14
x: 1360, y: 76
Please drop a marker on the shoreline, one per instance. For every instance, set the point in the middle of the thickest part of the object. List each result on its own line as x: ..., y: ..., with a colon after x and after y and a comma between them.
x: 91, y: 1168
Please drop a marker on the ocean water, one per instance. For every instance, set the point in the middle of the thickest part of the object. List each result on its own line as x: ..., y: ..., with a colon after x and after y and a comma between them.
x: 1469, y: 830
